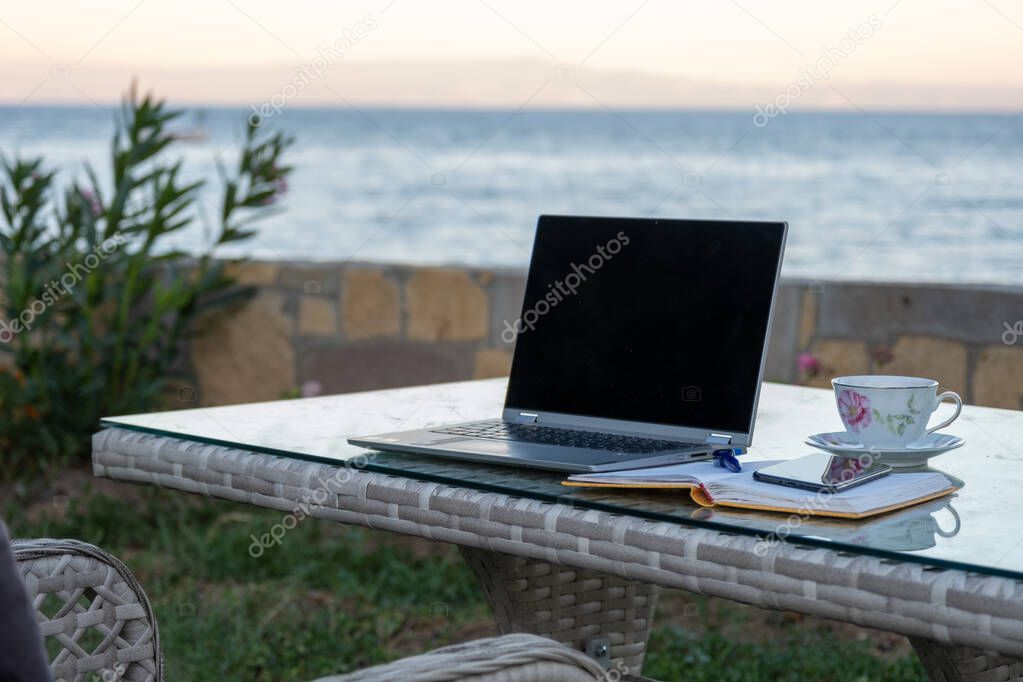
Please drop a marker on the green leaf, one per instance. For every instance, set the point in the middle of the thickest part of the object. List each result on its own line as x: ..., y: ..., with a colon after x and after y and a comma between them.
x: 109, y: 345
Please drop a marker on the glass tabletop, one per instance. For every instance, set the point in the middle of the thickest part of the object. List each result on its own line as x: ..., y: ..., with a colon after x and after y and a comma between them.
x: 976, y: 529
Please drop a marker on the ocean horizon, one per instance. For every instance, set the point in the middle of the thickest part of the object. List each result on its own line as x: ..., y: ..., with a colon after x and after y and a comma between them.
x: 896, y: 196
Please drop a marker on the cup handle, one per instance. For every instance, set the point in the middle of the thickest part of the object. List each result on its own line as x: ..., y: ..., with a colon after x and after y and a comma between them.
x: 959, y: 408
x: 955, y: 529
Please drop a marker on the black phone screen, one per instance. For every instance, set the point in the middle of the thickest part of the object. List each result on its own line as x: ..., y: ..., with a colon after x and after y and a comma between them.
x: 821, y: 471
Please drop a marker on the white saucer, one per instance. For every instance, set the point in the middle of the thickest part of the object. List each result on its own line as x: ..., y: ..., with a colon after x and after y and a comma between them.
x: 910, y: 455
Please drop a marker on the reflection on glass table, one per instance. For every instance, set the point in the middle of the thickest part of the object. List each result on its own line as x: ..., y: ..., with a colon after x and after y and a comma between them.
x: 316, y: 429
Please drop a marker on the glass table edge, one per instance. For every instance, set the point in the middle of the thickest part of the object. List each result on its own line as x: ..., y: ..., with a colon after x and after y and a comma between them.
x: 790, y: 539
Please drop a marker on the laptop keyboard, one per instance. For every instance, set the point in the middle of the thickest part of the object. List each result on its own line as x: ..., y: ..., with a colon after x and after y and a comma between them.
x: 572, y: 438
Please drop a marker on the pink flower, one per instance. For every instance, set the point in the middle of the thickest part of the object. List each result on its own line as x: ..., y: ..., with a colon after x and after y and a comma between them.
x: 855, y: 409
x: 808, y: 365
x: 311, y: 389
x: 93, y: 202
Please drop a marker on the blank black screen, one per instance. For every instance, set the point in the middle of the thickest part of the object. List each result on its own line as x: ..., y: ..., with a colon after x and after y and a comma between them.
x: 664, y: 321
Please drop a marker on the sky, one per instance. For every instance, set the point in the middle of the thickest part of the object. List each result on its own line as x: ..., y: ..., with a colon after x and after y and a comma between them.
x: 737, y: 54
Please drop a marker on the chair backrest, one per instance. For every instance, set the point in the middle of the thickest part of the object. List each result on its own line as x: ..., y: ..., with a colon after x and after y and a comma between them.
x: 95, y: 617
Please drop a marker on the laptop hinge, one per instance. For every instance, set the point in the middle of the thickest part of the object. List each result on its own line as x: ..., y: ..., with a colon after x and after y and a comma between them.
x: 718, y: 439
x: 526, y: 418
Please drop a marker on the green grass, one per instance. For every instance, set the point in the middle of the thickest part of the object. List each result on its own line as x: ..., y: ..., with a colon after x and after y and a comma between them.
x: 795, y: 655
x: 332, y: 599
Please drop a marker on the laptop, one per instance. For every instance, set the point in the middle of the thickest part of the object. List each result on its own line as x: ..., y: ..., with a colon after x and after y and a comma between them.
x: 641, y: 343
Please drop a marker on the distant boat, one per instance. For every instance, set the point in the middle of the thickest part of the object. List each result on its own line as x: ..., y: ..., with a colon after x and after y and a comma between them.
x: 191, y: 136
x: 198, y: 131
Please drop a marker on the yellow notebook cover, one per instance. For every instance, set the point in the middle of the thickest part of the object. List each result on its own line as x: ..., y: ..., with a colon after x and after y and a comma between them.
x: 808, y: 502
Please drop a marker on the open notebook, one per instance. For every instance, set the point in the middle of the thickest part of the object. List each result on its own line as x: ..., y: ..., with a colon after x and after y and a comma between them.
x: 711, y: 486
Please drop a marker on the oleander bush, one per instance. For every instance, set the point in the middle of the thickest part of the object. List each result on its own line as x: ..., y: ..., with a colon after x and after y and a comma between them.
x: 94, y: 301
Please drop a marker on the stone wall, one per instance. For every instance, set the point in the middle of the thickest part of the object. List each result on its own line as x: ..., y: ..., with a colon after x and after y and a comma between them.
x: 316, y: 327
x: 963, y: 336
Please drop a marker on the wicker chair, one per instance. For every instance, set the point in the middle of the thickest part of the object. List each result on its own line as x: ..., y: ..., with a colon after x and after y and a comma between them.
x: 96, y: 612
x: 510, y: 658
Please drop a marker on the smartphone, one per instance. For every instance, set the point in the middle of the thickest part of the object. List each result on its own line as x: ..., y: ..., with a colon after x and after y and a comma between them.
x: 822, y: 472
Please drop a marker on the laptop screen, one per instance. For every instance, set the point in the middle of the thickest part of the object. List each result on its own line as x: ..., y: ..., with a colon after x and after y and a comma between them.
x: 658, y: 321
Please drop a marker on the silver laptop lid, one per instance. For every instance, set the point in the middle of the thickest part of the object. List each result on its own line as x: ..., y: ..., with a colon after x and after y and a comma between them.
x: 646, y: 326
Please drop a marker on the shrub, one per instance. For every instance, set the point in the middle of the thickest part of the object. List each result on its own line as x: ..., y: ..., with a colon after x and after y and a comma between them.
x: 95, y: 302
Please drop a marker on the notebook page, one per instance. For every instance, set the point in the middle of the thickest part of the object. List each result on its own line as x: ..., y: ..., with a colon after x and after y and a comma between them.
x: 882, y: 492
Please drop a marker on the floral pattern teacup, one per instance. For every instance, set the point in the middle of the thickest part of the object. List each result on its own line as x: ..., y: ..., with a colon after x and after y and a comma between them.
x: 890, y: 411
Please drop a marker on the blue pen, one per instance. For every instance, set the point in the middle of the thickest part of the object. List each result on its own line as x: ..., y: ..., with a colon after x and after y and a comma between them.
x: 728, y: 459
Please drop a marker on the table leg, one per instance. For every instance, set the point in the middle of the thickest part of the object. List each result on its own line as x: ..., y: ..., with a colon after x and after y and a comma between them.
x: 571, y: 606
x: 949, y: 663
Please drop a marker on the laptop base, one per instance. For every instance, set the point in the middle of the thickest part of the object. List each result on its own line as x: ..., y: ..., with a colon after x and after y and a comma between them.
x: 524, y: 454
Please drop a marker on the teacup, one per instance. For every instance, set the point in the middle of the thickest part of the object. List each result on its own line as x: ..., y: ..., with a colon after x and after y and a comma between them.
x: 890, y: 411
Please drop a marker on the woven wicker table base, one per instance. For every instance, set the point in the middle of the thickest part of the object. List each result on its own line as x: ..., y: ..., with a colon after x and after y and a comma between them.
x: 572, y: 573
x: 965, y: 664
x: 568, y: 605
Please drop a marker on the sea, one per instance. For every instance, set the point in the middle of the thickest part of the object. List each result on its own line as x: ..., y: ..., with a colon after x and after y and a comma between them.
x: 868, y: 196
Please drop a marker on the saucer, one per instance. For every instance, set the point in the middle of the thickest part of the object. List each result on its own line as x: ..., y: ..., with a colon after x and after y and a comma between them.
x: 910, y: 455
